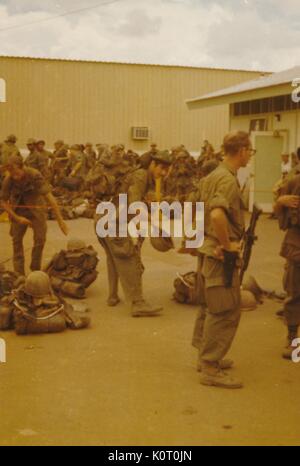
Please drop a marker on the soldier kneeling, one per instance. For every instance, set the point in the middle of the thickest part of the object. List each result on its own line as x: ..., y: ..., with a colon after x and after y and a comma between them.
x: 73, y: 270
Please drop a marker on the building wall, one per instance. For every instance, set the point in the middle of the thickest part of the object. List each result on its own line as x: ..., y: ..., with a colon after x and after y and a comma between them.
x: 289, y: 121
x: 92, y: 101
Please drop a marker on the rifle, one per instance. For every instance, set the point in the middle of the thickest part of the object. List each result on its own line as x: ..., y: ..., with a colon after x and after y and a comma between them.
x: 249, y: 239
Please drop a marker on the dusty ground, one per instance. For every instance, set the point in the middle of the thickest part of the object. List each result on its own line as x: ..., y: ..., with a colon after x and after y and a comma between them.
x: 133, y: 381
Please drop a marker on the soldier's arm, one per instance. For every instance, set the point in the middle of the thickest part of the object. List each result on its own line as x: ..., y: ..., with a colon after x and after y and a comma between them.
x: 17, y: 218
x: 219, y: 207
x: 285, y: 199
x: 53, y: 204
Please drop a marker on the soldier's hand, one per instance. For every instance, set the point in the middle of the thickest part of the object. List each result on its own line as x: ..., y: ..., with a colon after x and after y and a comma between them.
x: 289, y: 201
x: 233, y: 247
x: 24, y: 221
x: 63, y: 226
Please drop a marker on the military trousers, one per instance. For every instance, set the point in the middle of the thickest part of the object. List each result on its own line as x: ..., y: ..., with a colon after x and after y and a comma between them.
x: 123, y: 263
x: 219, y: 317
x: 17, y: 232
x: 291, y: 282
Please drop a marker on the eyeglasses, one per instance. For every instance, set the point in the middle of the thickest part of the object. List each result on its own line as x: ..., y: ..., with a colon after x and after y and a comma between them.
x: 251, y: 151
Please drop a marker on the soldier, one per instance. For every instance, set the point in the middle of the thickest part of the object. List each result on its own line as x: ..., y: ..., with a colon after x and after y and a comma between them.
x: 287, y: 209
x: 90, y: 155
x: 224, y: 227
x: 9, y: 148
x: 78, y: 162
x: 123, y: 257
x: 179, y: 181
x: 59, y: 162
x: 44, y: 156
x: 36, y: 159
x: 24, y: 192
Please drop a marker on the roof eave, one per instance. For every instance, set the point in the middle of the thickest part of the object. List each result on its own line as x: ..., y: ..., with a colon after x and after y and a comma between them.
x: 253, y: 94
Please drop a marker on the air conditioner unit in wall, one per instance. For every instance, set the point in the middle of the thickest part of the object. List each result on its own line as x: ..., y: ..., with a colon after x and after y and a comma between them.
x: 140, y: 132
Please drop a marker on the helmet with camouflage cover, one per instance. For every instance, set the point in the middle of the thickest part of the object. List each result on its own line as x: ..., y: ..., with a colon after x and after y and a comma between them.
x: 162, y: 157
x: 37, y: 284
x: 75, y: 244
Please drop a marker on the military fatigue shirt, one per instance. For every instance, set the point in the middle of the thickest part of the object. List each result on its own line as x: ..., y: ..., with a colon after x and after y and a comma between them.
x: 29, y: 191
x: 220, y: 189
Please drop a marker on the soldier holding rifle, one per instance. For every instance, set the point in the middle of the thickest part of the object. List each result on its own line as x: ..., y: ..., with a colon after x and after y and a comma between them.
x: 224, y: 228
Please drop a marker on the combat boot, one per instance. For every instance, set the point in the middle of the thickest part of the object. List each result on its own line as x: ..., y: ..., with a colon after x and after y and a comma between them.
x: 113, y: 301
x: 224, y: 364
x: 213, y: 376
x: 288, y: 350
x: 144, y: 309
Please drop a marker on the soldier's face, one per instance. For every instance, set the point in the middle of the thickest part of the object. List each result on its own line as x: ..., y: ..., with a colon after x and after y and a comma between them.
x: 30, y: 147
x: 40, y: 146
x: 160, y: 171
x: 245, y: 155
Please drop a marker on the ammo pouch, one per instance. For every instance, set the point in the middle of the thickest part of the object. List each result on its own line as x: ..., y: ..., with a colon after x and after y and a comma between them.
x: 48, y: 320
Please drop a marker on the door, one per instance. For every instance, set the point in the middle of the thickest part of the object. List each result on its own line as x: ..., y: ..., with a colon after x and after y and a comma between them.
x: 266, y: 169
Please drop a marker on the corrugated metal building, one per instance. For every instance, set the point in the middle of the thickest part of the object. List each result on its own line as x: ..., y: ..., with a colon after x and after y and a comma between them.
x: 269, y: 108
x: 82, y: 101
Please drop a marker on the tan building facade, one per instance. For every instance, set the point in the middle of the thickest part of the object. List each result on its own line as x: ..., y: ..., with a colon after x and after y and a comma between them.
x: 81, y: 101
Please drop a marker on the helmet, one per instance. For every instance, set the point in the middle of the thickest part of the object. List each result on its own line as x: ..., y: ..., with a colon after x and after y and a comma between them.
x: 163, y: 157
x: 75, y: 244
x: 248, y: 301
x: 251, y: 285
x: 162, y: 244
x: 31, y: 141
x: 37, y: 284
x: 11, y: 138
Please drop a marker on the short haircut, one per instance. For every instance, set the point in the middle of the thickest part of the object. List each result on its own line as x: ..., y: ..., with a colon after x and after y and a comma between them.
x: 235, y: 141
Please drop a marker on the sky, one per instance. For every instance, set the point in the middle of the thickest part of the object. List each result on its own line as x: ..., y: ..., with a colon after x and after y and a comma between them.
x: 238, y: 34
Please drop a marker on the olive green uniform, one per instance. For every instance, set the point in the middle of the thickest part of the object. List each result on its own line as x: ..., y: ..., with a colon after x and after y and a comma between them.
x: 8, y: 149
x: 123, y: 256
x: 28, y: 194
x: 38, y: 161
x: 219, y: 315
x: 290, y: 250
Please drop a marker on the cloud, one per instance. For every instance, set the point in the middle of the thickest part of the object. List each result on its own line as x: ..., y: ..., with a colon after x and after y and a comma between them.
x: 247, y: 34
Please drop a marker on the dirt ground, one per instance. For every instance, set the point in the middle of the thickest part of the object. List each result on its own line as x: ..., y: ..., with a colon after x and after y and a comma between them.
x: 129, y: 381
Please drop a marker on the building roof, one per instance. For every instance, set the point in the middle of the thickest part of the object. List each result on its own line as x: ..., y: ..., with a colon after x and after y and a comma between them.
x: 134, y: 64
x: 248, y: 90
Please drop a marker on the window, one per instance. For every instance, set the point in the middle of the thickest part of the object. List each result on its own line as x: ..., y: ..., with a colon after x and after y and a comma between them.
x: 272, y: 104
